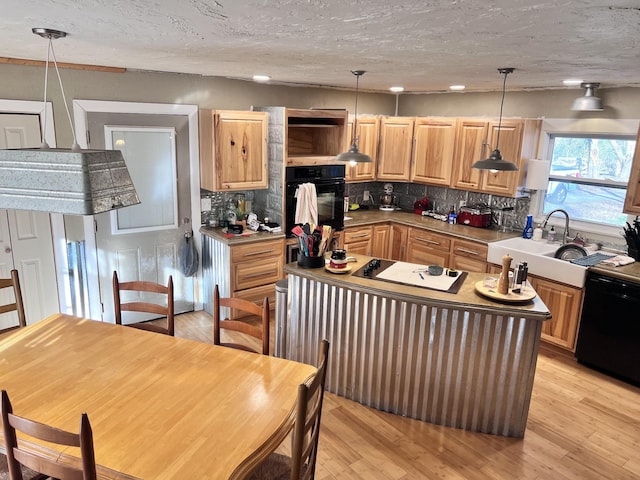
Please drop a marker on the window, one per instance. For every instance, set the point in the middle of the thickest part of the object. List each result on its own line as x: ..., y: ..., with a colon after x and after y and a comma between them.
x: 589, y: 176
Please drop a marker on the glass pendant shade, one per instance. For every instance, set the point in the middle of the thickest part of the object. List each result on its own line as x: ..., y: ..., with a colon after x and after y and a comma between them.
x: 495, y: 161
x: 589, y: 102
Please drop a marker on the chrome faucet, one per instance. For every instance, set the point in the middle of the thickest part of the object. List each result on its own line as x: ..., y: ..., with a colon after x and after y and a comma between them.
x: 566, y: 224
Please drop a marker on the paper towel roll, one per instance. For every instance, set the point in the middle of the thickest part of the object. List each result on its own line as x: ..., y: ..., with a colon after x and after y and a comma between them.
x: 537, y: 174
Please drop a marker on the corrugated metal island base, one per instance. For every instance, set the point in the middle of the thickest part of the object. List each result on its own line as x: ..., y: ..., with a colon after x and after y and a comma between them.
x: 459, y: 360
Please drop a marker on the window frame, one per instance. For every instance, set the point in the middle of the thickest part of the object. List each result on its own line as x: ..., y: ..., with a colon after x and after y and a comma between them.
x: 576, y: 127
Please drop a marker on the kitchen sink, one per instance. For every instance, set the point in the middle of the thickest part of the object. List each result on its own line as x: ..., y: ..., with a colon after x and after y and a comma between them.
x: 540, y: 259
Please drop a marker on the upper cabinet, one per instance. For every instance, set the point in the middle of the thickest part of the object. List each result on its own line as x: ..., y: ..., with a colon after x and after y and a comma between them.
x: 233, y: 150
x: 367, y: 135
x: 314, y: 137
x: 632, y: 199
x: 433, y: 150
x: 476, y: 139
x: 394, y: 153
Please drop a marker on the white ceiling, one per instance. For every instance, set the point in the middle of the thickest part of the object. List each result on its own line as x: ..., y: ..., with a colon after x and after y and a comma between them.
x: 423, y: 45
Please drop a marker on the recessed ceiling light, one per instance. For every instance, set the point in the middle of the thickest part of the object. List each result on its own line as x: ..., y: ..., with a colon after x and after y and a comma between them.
x: 261, y: 78
x: 456, y: 87
x: 572, y: 82
x: 397, y: 89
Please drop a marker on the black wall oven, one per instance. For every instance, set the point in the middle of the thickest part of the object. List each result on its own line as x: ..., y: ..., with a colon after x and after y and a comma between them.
x: 330, y: 186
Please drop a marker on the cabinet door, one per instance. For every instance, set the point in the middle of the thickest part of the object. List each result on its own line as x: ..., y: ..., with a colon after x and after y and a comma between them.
x: 632, y: 200
x: 398, y: 238
x: 380, y: 241
x: 428, y: 248
x: 394, y: 156
x: 564, y: 303
x: 358, y: 240
x: 433, y: 152
x: 504, y: 183
x: 470, y: 146
x: 236, y: 159
x: 367, y: 138
x: 468, y: 256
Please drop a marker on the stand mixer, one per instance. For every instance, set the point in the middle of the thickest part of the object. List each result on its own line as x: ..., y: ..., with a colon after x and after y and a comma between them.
x: 387, y: 199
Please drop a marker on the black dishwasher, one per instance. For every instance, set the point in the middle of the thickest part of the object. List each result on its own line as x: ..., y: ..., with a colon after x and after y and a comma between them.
x: 609, y: 334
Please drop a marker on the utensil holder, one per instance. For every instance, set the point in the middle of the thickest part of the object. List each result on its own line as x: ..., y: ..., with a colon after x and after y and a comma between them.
x: 310, y: 262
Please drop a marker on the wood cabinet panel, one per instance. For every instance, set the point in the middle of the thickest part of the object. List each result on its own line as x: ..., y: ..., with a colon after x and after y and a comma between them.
x: 380, y: 241
x: 258, y: 272
x: 233, y: 150
x: 253, y: 251
x: 398, y: 239
x: 468, y: 256
x: 433, y: 151
x: 470, y: 146
x: 504, y: 183
x: 313, y: 137
x: 428, y: 248
x: 632, y: 199
x: 565, y: 304
x: 367, y: 137
x: 256, y: 295
x: 358, y: 240
x: 394, y: 154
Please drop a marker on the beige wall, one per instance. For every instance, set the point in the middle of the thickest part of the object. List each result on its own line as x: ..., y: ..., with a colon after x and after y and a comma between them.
x: 26, y: 83
x: 619, y: 103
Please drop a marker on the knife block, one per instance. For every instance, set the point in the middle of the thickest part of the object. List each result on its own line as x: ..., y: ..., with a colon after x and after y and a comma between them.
x: 503, y: 281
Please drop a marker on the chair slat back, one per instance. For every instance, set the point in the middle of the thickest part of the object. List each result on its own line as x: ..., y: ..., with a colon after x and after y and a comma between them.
x: 17, y: 305
x: 307, y: 425
x: 240, y: 326
x: 141, y: 286
x: 39, y: 462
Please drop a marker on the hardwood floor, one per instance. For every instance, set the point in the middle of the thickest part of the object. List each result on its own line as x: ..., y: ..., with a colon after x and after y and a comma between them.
x: 582, y: 425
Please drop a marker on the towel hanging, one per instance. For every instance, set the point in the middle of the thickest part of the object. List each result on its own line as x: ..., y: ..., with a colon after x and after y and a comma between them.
x: 188, y: 255
x: 306, y: 204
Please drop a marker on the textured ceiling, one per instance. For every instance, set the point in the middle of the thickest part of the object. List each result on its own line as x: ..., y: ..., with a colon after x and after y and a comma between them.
x: 423, y: 45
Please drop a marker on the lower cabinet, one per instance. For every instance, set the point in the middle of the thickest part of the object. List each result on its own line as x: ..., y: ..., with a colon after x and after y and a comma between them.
x: 248, y: 270
x: 427, y: 247
x: 565, y: 304
x: 358, y: 240
x: 468, y: 256
x: 398, y: 241
x: 380, y: 241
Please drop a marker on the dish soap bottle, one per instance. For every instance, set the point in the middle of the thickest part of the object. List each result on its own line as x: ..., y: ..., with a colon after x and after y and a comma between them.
x: 528, y: 229
x: 551, y: 236
x: 537, y: 233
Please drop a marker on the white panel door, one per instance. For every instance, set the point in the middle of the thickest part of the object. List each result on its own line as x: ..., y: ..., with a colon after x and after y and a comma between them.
x: 25, y: 237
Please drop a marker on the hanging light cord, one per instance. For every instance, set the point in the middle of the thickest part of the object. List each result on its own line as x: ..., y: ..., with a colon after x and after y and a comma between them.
x: 355, y: 114
x: 504, y: 86
x: 52, y: 54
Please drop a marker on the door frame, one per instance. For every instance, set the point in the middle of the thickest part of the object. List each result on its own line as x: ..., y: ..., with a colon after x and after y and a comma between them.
x: 81, y: 109
x: 45, y: 111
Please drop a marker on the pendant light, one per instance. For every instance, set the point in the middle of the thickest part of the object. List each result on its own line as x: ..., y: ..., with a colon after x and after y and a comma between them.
x: 353, y: 156
x: 495, y: 161
x: 68, y: 181
x: 589, y: 102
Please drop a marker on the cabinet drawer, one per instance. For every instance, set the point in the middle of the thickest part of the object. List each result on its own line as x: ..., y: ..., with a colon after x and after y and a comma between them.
x: 429, y: 239
x: 260, y: 271
x: 257, y: 251
x: 357, y: 234
x: 469, y: 249
x: 256, y: 295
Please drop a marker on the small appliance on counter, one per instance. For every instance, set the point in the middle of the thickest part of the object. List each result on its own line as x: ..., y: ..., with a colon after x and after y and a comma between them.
x: 387, y: 199
x: 475, y: 216
x: 421, y: 206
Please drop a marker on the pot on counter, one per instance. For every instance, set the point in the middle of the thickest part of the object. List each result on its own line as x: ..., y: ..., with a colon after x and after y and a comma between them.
x: 475, y: 216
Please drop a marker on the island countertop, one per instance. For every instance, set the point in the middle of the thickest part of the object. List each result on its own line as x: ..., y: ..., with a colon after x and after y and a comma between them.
x: 466, y: 295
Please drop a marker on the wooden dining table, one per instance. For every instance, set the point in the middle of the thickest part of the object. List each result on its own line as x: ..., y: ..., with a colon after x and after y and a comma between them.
x: 160, y: 407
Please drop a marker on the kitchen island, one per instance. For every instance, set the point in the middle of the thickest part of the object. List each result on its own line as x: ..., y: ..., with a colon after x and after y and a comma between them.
x: 460, y: 360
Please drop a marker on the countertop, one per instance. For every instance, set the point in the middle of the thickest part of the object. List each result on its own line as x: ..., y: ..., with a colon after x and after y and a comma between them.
x: 217, y: 234
x: 465, y: 232
x: 630, y: 273
x: 465, y: 296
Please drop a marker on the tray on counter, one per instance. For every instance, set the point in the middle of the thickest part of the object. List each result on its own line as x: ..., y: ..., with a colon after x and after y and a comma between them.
x: 526, y: 294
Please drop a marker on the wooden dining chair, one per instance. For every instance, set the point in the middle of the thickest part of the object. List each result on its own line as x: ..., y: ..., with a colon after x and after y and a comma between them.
x: 33, y: 459
x: 16, y: 306
x: 306, y: 430
x: 141, y: 286
x: 241, y: 326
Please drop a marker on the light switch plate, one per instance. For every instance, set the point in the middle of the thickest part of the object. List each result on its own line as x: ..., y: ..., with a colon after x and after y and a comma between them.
x: 205, y: 204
